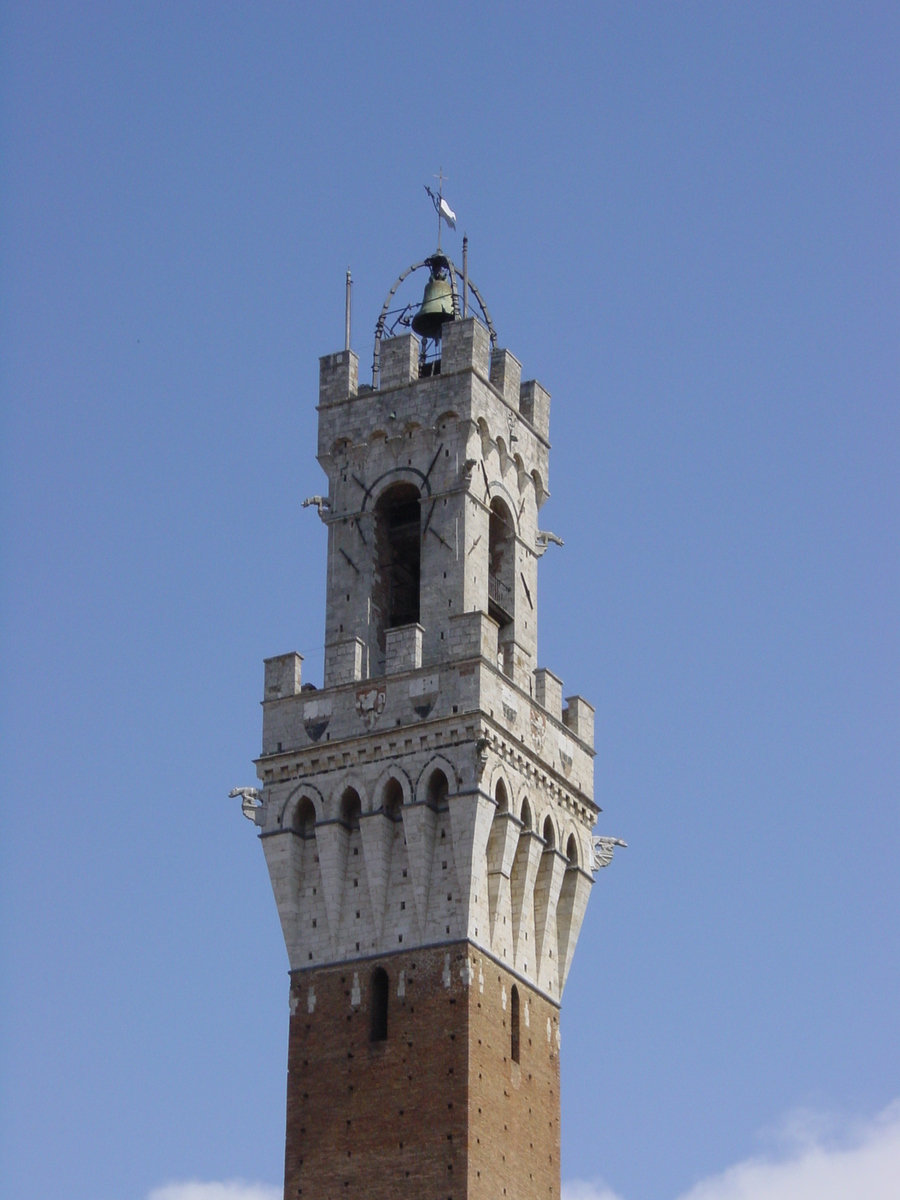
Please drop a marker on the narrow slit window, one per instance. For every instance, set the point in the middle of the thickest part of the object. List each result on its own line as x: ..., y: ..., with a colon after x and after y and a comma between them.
x: 514, y: 1025
x: 379, y: 1007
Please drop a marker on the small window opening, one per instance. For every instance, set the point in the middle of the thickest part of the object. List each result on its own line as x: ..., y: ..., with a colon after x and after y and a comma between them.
x: 526, y: 814
x: 392, y: 799
x: 514, y: 1025
x: 351, y: 808
x: 305, y: 818
x: 549, y: 834
x: 572, y: 850
x: 379, y: 1007
x: 501, y: 797
x: 438, y: 790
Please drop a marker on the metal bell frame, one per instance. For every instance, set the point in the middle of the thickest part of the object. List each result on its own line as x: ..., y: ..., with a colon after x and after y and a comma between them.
x: 442, y: 260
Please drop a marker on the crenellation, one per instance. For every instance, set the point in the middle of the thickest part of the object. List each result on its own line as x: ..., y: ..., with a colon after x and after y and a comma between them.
x: 534, y: 405
x: 403, y: 650
x: 338, y: 377
x: 399, y: 362
x: 506, y: 376
x: 282, y: 675
x: 578, y: 716
x: 344, y: 661
x: 466, y: 346
x: 548, y: 692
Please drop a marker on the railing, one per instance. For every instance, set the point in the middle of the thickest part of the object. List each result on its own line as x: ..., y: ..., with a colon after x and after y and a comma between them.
x: 499, y: 592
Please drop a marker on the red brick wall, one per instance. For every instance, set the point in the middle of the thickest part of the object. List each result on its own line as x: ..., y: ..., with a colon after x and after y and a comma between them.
x: 514, y: 1146
x: 437, y: 1111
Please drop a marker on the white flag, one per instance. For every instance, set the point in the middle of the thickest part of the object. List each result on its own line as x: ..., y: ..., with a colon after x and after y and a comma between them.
x: 448, y: 214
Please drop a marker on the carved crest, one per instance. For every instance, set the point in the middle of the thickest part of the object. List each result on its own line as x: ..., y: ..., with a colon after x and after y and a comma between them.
x: 423, y: 691
x: 566, y: 753
x: 538, y: 728
x: 316, y: 715
x: 370, y: 705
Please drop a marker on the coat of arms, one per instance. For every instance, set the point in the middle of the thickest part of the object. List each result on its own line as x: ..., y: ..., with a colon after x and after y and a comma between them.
x: 370, y: 705
x: 538, y: 728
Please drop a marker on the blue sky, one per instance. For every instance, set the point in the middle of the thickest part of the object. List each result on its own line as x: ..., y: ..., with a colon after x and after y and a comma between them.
x: 684, y: 221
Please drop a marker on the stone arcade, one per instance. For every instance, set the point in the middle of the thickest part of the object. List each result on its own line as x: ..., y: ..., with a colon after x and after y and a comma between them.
x: 427, y: 814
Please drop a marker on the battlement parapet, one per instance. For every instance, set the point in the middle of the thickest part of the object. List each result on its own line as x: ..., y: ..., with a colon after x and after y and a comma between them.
x: 338, y: 377
x: 396, y: 706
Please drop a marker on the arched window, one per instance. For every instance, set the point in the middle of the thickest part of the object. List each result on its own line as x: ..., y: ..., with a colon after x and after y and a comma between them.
x: 501, y: 797
x: 351, y: 808
x: 572, y: 850
x: 526, y: 814
x: 501, y: 564
x: 514, y: 1025
x: 398, y: 541
x: 392, y: 799
x: 304, y: 821
x: 378, y: 1013
x: 438, y: 790
x: 549, y: 834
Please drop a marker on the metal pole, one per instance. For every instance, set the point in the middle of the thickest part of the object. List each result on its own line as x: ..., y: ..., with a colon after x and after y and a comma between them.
x: 440, y: 198
x: 347, y: 312
x: 465, y: 276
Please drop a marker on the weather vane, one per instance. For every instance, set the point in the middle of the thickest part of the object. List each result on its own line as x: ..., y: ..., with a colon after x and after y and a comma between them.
x: 441, y: 207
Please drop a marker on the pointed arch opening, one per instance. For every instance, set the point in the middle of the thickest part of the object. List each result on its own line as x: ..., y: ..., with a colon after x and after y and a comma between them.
x: 398, y: 544
x: 501, y: 564
x: 549, y: 833
x: 351, y: 807
x: 392, y: 799
x: 438, y: 790
x: 527, y: 822
x: 304, y: 822
x: 501, y: 796
x: 572, y: 850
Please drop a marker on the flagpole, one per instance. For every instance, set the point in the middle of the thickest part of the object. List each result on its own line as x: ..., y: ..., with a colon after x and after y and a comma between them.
x: 465, y: 276
x: 440, y: 199
x: 347, y: 312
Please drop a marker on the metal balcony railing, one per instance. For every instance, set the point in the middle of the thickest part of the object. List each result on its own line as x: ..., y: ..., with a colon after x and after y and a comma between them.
x: 499, y: 592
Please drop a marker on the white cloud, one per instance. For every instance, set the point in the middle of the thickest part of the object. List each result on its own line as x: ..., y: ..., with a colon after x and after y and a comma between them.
x: 860, y: 1163
x: 578, y: 1189
x: 234, y: 1189
x: 864, y: 1162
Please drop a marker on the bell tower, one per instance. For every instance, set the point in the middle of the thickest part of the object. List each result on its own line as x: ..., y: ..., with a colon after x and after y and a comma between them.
x: 427, y: 813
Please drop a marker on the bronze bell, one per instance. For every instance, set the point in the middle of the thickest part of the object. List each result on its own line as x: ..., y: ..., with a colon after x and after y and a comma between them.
x: 436, y: 307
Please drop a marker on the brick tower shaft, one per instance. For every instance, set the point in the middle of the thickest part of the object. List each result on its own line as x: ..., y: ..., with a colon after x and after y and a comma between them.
x: 439, y: 1107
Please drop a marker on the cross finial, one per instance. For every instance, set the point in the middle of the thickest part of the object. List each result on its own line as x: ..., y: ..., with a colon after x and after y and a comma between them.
x: 442, y: 179
x: 441, y: 207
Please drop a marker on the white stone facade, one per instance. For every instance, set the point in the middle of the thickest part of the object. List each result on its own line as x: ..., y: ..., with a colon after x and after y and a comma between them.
x: 435, y: 789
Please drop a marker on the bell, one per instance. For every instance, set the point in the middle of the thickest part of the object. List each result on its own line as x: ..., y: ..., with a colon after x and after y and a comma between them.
x: 436, y: 308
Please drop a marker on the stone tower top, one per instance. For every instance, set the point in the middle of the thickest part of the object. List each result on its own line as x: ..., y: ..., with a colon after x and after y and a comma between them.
x: 467, y: 451
x: 435, y: 789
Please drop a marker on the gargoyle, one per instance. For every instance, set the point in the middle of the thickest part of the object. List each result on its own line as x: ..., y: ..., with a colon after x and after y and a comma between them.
x: 322, y: 503
x: 603, y: 851
x: 543, y: 540
x: 251, y: 801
